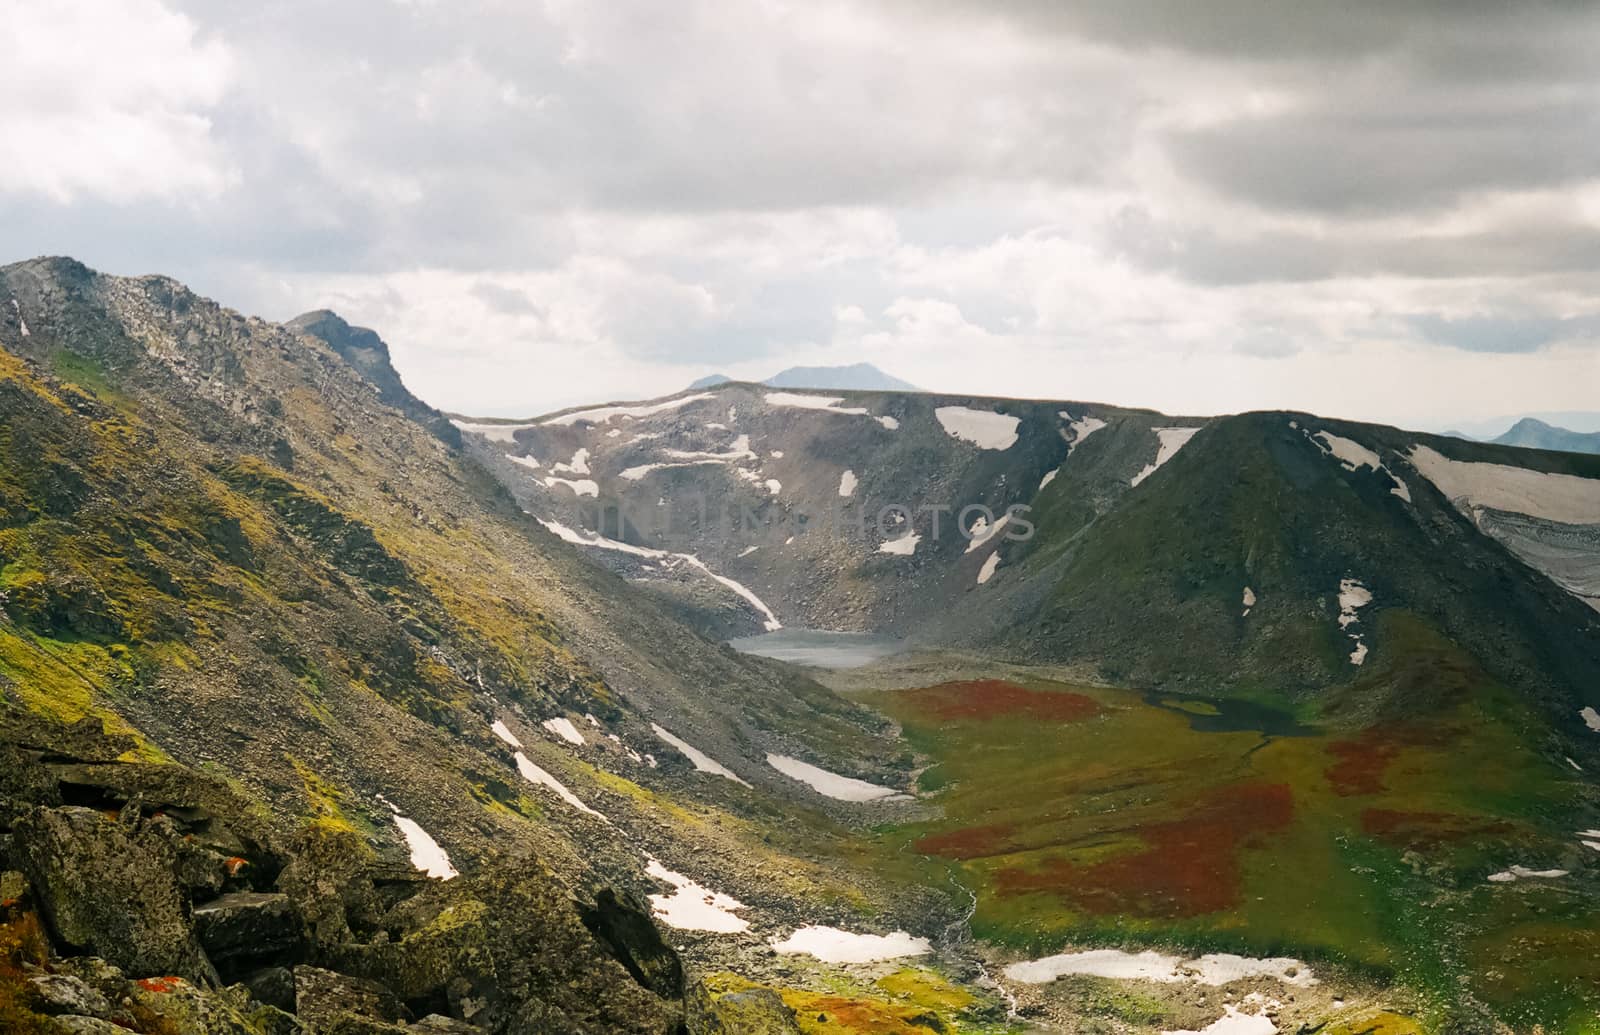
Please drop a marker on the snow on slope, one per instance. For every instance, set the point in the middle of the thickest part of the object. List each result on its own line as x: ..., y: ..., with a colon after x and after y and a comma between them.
x: 699, y: 759
x: 983, y: 428
x: 602, y: 414
x: 832, y: 785
x: 827, y: 403
x: 1554, y: 497
x: 1172, y: 440
x: 692, y: 906
x: 831, y: 945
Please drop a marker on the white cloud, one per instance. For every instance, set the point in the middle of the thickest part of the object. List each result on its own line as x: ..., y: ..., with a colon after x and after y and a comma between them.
x: 111, y: 101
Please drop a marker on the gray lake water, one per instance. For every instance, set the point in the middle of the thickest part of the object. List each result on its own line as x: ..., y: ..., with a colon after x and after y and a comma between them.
x: 819, y: 648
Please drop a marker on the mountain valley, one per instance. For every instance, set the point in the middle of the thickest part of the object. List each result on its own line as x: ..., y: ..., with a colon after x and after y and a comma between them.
x: 321, y: 711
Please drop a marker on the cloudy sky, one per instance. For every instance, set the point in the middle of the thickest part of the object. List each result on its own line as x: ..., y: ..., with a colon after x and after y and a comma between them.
x: 1384, y: 209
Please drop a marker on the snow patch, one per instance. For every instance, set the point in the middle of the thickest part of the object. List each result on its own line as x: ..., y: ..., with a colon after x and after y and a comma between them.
x: 982, y: 531
x: 1353, y: 456
x: 426, y: 855
x: 534, y: 774
x: 774, y: 486
x: 580, y: 486
x: 847, y: 483
x: 1049, y: 476
x: 1566, y: 498
x: 983, y: 428
x: 493, y: 432
x: 1523, y: 873
x: 578, y: 465
x: 747, y: 551
x: 1352, y: 597
x: 531, y: 463
x: 1591, y: 719
x: 694, y: 907
x: 562, y: 727
x: 571, y: 535
x: 831, y: 785
x: 1212, y: 969
x: 986, y: 572
x: 905, y: 546
x: 890, y: 423
x: 1172, y: 440
x: 1249, y: 601
x: 1081, y: 429
x: 602, y: 414
x: 701, y: 761
x: 502, y: 731
x: 831, y: 945
x: 1234, y: 1022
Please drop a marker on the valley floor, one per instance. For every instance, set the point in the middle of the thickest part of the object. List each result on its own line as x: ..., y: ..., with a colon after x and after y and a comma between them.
x: 1135, y: 862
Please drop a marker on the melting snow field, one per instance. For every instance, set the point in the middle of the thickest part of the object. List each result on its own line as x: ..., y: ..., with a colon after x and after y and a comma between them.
x: 562, y: 727
x: 426, y: 855
x: 983, y: 428
x: 1523, y: 873
x: 905, y: 546
x: 1352, y: 597
x: 571, y: 535
x: 692, y: 907
x: 1172, y: 440
x: 579, y: 486
x: 1555, y: 497
x: 601, y: 414
x: 982, y: 531
x: 986, y: 572
x: 831, y: 945
x: 1234, y: 1022
x: 1081, y: 428
x: 1214, y: 969
x: 1353, y: 456
x: 493, y: 432
x: 831, y: 785
x: 533, y: 774
x: 702, y: 761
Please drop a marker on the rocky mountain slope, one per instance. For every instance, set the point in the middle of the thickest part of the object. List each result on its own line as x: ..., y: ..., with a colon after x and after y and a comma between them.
x: 257, y: 608
x: 1245, y: 540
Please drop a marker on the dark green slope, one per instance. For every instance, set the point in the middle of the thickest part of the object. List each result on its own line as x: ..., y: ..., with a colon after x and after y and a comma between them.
x: 1152, y: 589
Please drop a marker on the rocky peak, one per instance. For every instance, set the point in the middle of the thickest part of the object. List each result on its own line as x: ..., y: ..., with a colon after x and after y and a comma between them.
x: 369, y: 355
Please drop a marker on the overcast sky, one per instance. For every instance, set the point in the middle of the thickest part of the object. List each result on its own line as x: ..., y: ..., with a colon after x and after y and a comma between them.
x: 1382, y: 209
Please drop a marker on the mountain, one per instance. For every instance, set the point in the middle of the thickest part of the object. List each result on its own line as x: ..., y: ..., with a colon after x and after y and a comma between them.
x: 1529, y: 433
x: 1310, y: 650
x: 306, y: 653
x: 316, y: 716
x: 856, y: 377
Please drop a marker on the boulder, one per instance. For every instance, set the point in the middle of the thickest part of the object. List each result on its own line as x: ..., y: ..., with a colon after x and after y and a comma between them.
x: 323, y: 998
x: 507, y: 951
x: 748, y: 1011
x: 247, y: 925
x: 622, y: 923
x: 76, y: 1025
x: 182, y: 1008
x: 66, y: 994
x: 328, y: 879
x: 107, y: 886
x: 273, y: 986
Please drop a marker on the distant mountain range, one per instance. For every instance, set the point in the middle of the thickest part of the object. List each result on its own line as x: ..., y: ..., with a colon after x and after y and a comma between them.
x: 854, y: 377
x: 1532, y: 433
